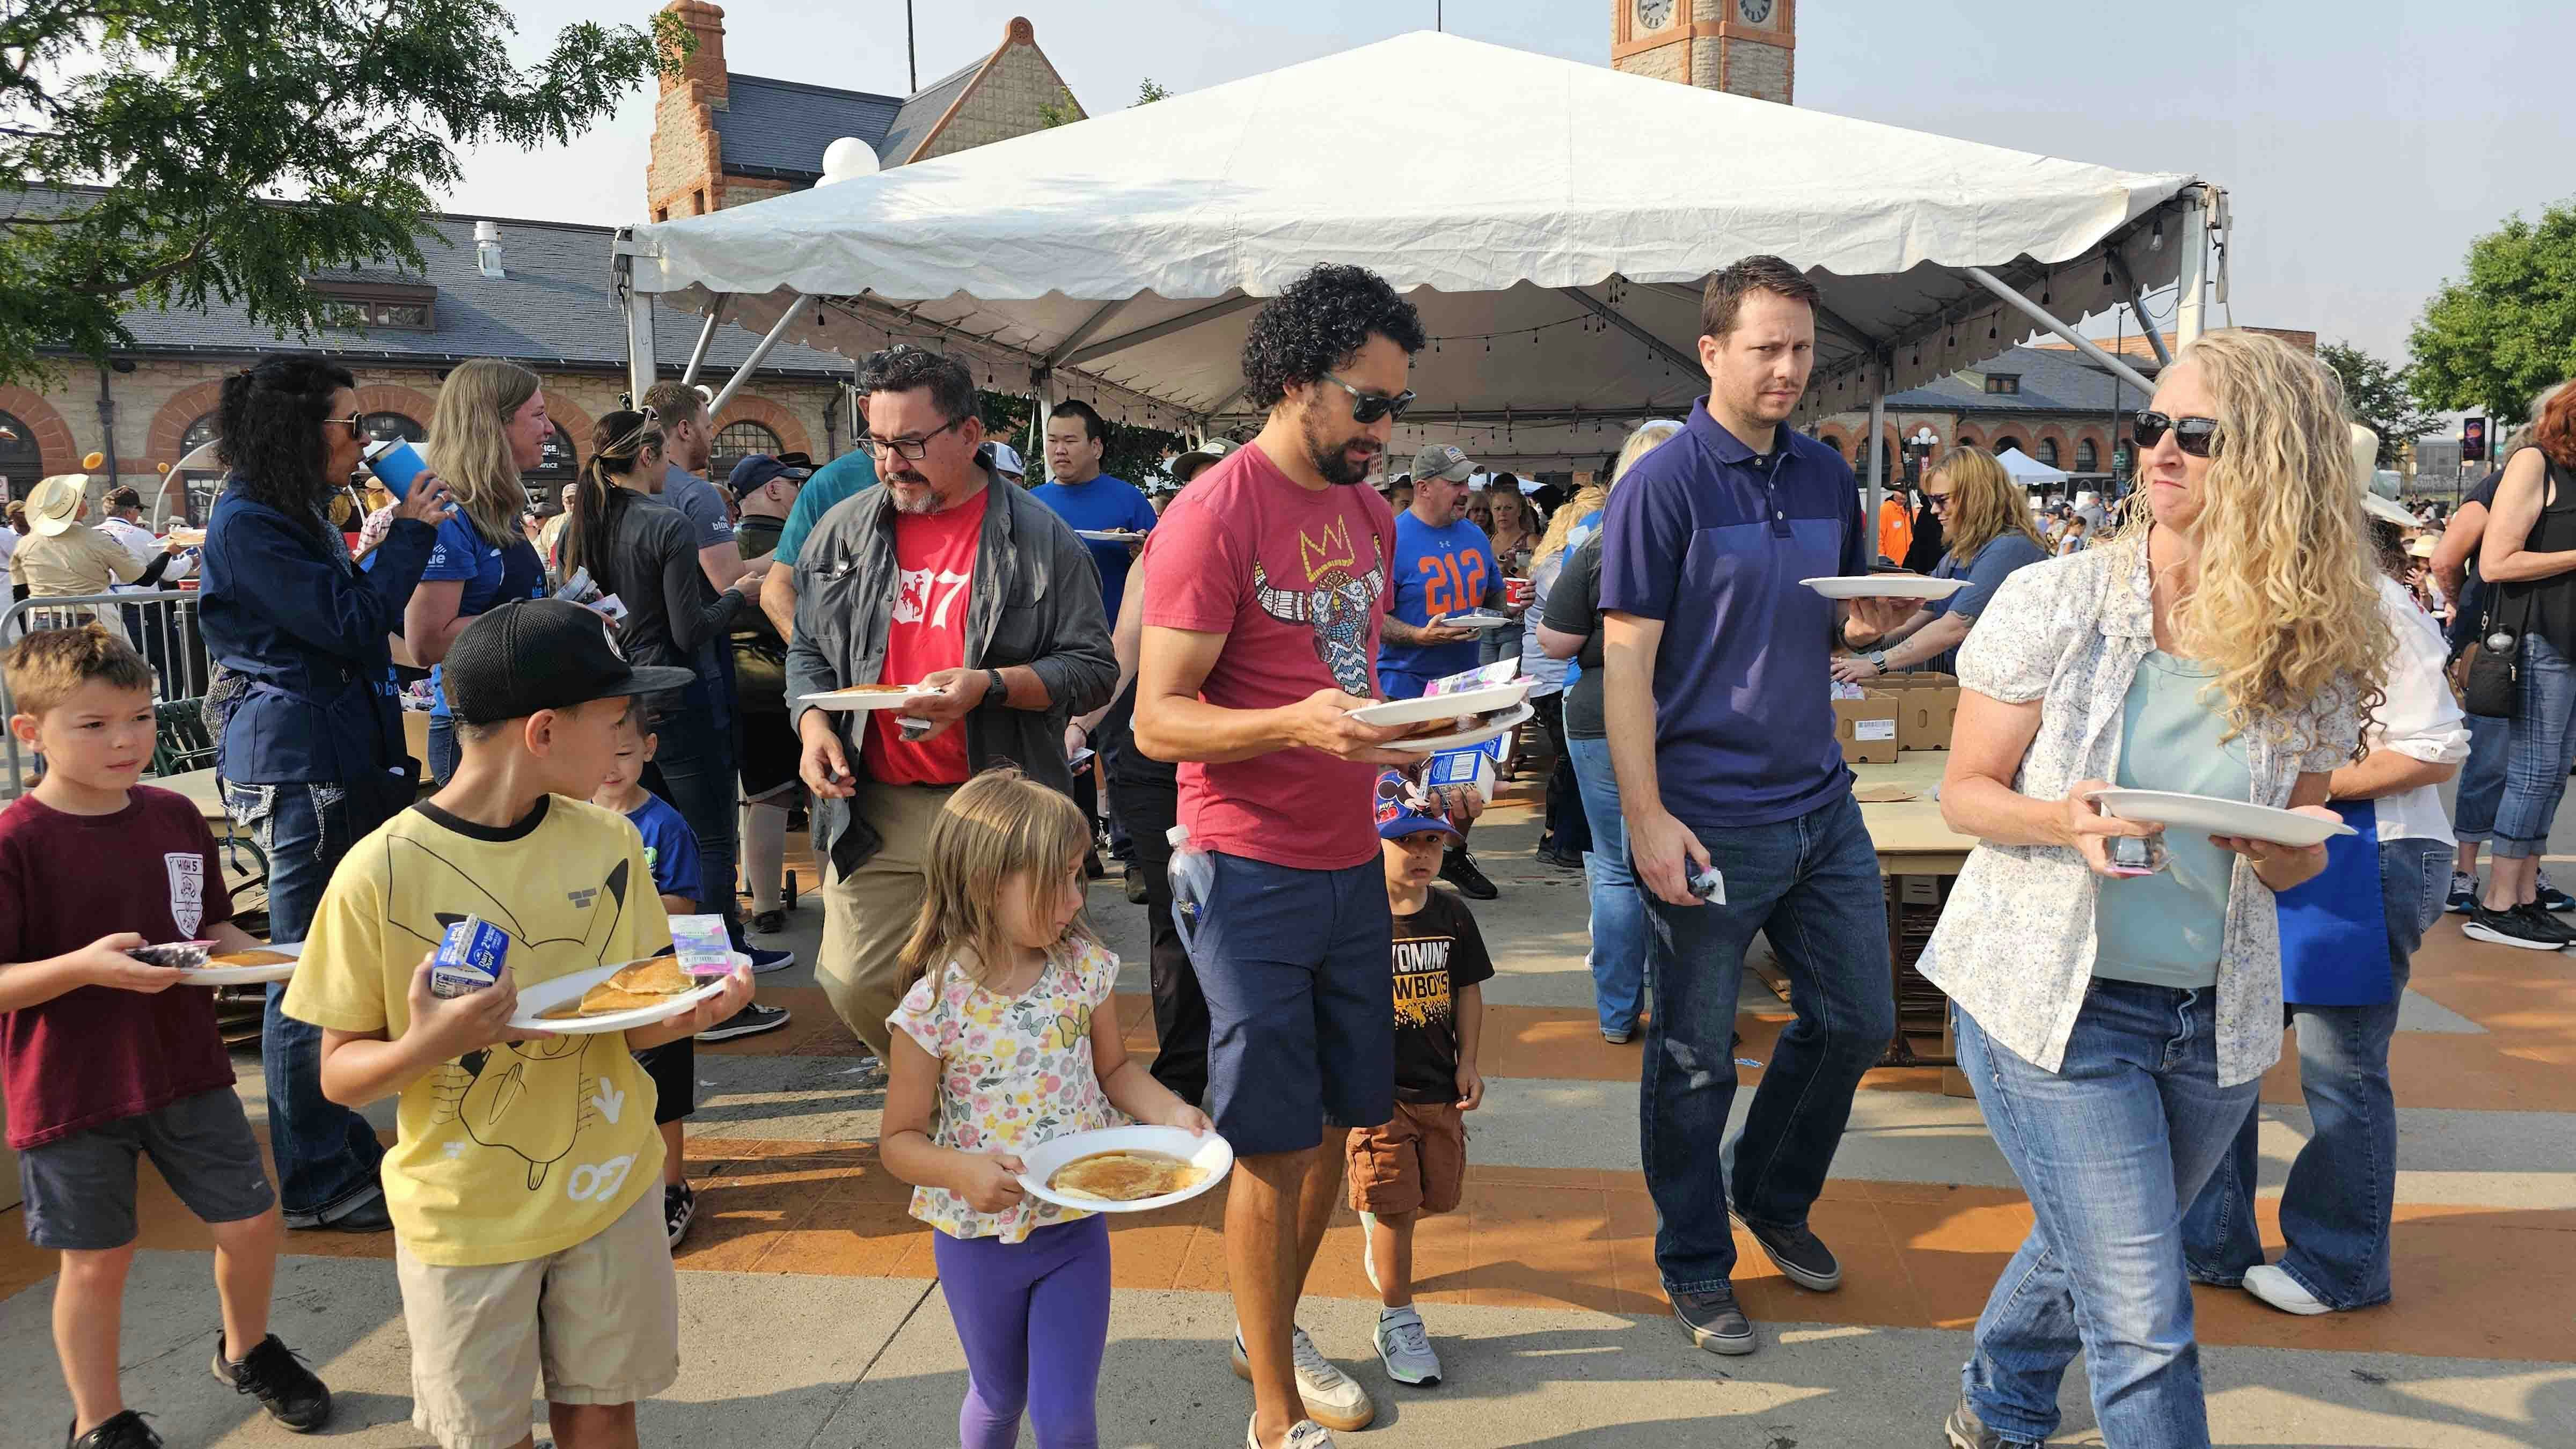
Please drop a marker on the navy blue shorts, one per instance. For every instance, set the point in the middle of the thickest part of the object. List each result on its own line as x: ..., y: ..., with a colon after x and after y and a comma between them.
x: 1299, y: 971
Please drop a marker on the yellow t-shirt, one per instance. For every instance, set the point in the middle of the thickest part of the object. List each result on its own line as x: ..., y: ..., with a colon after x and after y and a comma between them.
x: 525, y: 1149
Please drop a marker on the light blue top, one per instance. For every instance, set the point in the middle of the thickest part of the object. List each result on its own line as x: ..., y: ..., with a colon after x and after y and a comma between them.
x: 2165, y: 929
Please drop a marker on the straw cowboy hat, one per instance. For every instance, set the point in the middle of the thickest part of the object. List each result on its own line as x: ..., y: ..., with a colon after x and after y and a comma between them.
x: 2365, y: 470
x: 56, y: 503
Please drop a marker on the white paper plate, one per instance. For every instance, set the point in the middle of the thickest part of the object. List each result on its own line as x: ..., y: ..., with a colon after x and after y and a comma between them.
x: 246, y: 975
x: 1478, y: 736
x: 535, y: 1001
x: 1886, y: 586
x: 2218, y: 817
x: 1478, y: 619
x: 875, y: 699
x: 1110, y: 535
x: 1041, y: 1162
x: 1445, y: 706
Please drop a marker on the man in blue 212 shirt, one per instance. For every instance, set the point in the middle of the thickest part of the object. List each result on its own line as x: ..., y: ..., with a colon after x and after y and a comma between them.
x: 1444, y: 565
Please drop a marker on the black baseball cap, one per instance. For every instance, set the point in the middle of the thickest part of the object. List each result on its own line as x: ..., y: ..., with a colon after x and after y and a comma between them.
x: 752, y: 471
x: 535, y: 654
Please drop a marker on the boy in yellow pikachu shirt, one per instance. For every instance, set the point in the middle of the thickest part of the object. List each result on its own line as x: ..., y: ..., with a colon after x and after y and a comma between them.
x: 525, y: 1188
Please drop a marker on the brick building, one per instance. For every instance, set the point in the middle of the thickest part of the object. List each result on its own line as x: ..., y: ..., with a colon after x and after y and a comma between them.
x: 722, y: 139
x: 1743, y: 47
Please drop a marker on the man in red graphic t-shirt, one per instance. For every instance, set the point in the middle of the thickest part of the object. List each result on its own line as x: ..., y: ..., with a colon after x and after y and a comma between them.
x: 978, y: 597
x: 1265, y: 586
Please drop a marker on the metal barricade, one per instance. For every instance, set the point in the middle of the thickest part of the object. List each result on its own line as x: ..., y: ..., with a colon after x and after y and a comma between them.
x: 162, y: 626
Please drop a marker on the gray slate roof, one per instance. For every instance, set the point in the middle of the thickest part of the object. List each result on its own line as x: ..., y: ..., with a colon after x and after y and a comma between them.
x: 2053, y: 380
x: 911, y: 128
x: 553, y: 309
x: 779, y: 127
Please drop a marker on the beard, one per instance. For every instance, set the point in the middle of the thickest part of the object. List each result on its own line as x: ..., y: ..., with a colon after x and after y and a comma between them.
x: 1332, y: 457
x: 911, y: 493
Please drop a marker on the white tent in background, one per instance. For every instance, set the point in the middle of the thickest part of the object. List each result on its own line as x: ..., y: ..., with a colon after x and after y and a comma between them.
x: 2029, y: 471
x: 1556, y: 246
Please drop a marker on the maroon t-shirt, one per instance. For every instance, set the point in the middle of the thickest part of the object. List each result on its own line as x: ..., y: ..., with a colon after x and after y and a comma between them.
x: 1298, y: 582
x: 96, y: 1054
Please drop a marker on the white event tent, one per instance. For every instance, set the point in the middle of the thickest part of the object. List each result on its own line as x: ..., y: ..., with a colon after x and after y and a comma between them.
x: 1556, y: 245
x: 2028, y: 471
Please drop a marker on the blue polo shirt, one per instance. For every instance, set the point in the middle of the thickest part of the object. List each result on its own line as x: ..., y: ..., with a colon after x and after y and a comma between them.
x: 1712, y: 538
x: 1103, y: 504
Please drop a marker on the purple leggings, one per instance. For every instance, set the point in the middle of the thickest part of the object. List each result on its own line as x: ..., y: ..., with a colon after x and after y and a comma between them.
x: 1033, y: 1317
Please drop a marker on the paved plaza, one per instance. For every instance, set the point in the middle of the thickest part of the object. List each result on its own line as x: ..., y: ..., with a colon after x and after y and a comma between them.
x: 810, y: 1316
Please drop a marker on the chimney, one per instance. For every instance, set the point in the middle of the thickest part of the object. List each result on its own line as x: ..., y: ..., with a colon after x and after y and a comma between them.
x: 487, y: 249
x: 705, y: 67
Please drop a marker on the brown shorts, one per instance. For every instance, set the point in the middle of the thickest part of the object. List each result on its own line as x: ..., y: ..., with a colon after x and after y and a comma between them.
x: 1417, y: 1162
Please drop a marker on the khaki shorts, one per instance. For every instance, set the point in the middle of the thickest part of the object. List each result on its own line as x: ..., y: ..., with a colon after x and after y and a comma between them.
x: 598, y: 1323
x: 1417, y: 1162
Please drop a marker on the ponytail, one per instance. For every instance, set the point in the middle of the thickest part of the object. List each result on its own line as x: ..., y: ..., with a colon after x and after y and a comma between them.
x: 617, y: 443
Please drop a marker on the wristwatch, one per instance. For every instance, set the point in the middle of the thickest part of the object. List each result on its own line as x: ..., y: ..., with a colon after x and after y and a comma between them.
x: 1877, y: 659
x: 996, y: 691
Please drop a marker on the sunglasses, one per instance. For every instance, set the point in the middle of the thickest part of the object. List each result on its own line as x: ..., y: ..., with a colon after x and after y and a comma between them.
x: 356, y: 423
x: 1937, y: 502
x: 912, y: 449
x: 1368, y: 407
x: 2195, y: 436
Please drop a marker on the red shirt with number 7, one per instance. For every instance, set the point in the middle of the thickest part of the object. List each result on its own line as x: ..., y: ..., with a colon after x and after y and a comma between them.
x: 936, y: 552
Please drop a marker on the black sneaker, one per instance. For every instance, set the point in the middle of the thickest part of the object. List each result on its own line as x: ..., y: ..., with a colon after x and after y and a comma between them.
x: 1459, y: 869
x: 1716, y: 1322
x: 371, y: 1216
x: 1800, y: 1255
x: 1966, y: 1431
x: 1135, y: 884
x: 125, y: 1431
x: 769, y: 923
x: 278, y: 1378
x: 2552, y: 899
x: 752, y: 1020
x: 679, y: 1209
x: 2525, y: 928
x: 765, y: 960
x: 2464, y: 894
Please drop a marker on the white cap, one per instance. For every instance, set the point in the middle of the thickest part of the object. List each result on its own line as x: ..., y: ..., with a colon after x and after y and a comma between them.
x: 1007, y: 459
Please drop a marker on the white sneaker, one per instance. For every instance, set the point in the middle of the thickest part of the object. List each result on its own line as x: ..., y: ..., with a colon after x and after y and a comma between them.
x: 2282, y: 1291
x: 1304, y: 1434
x: 1368, y: 1257
x: 1333, y: 1398
x: 1404, y: 1346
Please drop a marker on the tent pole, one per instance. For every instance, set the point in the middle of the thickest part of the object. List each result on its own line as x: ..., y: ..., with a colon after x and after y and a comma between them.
x: 706, y: 335
x: 1877, y: 453
x: 2190, y: 312
x: 2138, y: 306
x: 1689, y: 365
x: 1089, y: 329
x: 2040, y: 315
x: 1160, y: 330
x: 759, y: 350
x: 641, y: 370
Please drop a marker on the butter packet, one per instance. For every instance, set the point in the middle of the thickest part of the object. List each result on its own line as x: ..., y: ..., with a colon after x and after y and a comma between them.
x: 703, y: 947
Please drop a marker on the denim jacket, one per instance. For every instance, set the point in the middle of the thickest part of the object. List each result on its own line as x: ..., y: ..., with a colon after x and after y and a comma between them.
x: 1035, y: 600
x: 2015, y: 945
x: 303, y: 630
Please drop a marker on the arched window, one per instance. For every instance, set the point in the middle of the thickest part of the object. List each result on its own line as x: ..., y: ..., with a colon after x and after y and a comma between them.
x: 2048, y: 451
x: 21, y: 462
x: 393, y: 425
x: 203, y: 478
x: 2008, y: 443
x: 736, y: 441
x: 2088, y: 458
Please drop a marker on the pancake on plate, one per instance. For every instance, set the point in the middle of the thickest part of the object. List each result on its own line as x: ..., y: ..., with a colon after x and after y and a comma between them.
x: 251, y: 958
x: 858, y: 689
x: 638, y: 984
x: 1125, y: 1176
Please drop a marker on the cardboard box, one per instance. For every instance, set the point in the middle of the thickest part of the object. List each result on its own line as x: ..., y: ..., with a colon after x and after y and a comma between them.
x: 1924, y: 679
x: 1867, y: 728
x: 1925, y: 715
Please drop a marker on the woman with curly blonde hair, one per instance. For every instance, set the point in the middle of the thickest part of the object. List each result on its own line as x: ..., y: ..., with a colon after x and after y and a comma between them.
x: 1986, y: 517
x: 2117, y: 1023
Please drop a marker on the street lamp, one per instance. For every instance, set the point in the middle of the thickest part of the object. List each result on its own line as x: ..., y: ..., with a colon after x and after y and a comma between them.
x: 1918, y: 451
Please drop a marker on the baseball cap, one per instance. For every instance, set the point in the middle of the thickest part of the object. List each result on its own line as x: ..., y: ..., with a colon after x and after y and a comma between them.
x: 1196, y: 461
x: 755, y: 469
x: 1445, y: 461
x: 1006, y: 459
x: 534, y: 654
x: 1398, y: 814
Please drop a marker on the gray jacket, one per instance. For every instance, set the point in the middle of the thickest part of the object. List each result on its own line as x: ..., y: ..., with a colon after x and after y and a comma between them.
x: 1035, y: 601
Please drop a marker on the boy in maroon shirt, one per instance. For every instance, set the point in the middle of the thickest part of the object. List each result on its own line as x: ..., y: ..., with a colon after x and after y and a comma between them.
x: 105, y: 1058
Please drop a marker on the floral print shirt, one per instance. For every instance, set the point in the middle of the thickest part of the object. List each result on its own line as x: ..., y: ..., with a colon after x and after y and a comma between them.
x: 1013, y: 1072
x: 2014, y: 948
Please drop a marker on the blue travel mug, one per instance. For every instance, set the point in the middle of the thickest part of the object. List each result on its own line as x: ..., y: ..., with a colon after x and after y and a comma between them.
x: 395, y: 463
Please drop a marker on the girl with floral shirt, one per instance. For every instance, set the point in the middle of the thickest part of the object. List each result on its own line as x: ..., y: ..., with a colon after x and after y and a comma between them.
x: 1005, y: 1040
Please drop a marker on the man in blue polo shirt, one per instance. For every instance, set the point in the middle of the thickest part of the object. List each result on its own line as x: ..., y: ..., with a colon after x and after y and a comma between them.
x: 1718, y: 705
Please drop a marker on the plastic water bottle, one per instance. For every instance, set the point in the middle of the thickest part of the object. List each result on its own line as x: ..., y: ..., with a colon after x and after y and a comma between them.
x: 1193, y: 877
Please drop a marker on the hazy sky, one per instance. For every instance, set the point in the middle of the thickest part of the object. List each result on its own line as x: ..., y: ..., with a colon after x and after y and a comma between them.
x: 2364, y: 142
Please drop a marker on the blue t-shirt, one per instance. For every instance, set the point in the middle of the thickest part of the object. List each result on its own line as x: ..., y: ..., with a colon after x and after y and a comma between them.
x: 1712, y: 539
x: 670, y: 848
x: 700, y: 502
x: 1445, y: 570
x: 846, y: 476
x: 2000, y: 559
x: 2166, y: 929
x: 1103, y: 503
x: 492, y: 574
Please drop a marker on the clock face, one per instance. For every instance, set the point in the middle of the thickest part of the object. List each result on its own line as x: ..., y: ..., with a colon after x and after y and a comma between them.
x: 1654, y: 14
x: 1755, y: 12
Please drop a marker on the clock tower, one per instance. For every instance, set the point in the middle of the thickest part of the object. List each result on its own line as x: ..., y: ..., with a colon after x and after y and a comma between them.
x: 1747, y: 47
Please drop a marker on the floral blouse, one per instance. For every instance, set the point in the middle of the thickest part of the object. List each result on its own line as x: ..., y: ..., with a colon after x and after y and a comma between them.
x: 2014, y: 948
x: 1013, y: 1072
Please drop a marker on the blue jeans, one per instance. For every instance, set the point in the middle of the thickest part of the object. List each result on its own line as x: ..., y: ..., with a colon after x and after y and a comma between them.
x: 2109, y: 1147
x: 2540, y: 752
x: 699, y: 777
x: 327, y: 1155
x: 2482, y: 778
x: 1812, y: 885
x: 1618, y: 957
x: 441, y: 763
x: 2342, y: 1192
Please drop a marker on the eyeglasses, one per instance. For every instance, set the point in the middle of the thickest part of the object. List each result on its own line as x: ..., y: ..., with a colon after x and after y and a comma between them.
x: 1368, y: 407
x: 2195, y: 436
x: 1937, y: 502
x: 912, y: 449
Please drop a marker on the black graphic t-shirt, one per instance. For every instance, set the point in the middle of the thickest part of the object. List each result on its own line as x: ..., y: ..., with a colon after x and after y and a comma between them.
x: 1438, y: 952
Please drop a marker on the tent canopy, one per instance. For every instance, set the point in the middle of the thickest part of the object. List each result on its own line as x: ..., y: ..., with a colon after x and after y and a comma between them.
x: 2029, y: 471
x: 1556, y: 246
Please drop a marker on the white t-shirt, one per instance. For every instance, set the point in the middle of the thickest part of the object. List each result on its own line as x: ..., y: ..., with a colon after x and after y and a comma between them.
x: 8, y: 546
x: 134, y: 538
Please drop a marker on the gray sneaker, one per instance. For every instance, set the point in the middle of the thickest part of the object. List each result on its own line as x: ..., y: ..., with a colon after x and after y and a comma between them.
x: 1404, y: 1346
x: 1332, y: 1398
x: 1716, y: 1321
x: 1304, y: 1434
x: 1965, y: 1430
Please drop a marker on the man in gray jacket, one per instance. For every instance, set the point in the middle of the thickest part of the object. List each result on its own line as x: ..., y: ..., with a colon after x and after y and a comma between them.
x: 973, y: 592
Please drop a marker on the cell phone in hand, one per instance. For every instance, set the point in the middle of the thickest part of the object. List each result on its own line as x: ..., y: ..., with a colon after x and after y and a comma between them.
x: 1708, y: 884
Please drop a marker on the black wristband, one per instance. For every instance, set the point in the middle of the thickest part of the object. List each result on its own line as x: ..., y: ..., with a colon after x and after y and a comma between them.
x: 999, y: 694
